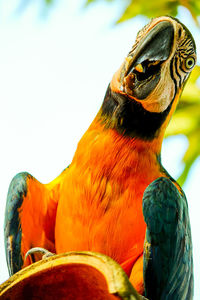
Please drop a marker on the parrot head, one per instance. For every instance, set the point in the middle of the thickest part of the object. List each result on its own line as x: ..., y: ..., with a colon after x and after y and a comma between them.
x: 144, y: 92
x: 158, y: 64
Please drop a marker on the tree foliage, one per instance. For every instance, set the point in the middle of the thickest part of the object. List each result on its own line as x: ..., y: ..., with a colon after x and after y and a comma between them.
x: 186, y: 120
x: 153, y: 8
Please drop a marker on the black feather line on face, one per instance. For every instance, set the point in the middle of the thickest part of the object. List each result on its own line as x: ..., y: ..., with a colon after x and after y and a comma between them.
x: 129, y: 117
x: 187, y: 32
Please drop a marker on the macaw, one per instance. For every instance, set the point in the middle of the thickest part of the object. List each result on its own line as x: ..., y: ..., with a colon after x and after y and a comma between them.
x: 116, y: 198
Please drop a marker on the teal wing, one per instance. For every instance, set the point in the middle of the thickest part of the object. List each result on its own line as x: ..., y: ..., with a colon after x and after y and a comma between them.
x: 12, y: 225
x: 168, y: 263
x: 29, y: 219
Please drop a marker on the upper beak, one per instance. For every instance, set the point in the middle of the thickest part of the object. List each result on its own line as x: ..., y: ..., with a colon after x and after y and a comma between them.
x: 155, y: 46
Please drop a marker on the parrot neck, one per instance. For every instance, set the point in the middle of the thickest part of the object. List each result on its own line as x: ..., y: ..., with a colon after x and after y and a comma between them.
x: 129, y: 117
x: 106, y: 148
x: 123, y: 131
x: 132, y: 122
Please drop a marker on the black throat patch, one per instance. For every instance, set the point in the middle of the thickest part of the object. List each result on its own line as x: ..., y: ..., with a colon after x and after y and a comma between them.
x: 129, y: 117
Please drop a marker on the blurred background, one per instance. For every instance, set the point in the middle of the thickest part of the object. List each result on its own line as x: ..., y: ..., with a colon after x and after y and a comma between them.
x: 56, y: 60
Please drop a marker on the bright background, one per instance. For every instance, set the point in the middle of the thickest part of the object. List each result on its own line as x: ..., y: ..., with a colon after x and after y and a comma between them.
x: 54, y: 70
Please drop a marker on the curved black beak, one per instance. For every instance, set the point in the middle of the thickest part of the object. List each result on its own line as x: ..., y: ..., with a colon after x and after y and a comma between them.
x: 155, y: 46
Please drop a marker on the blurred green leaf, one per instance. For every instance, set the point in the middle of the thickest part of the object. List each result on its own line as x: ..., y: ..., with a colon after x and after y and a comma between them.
x: 49, y: 1
x: 193, y: 6
x: 186, y: 120
x: 187, y: 115
x: 149, y: 8
x: 89, y: 1
x: 92, y: 1
x: 193, y: 151
x: 154, y: 8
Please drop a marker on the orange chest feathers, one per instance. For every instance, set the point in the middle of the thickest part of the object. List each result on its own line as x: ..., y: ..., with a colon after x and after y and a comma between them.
x: 100, y: 206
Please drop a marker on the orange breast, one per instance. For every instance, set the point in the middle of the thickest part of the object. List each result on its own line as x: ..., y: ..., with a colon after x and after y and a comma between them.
x: 100, y: 206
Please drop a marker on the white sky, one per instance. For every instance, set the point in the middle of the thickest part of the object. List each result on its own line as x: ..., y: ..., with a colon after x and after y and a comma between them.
x: 53, y: 75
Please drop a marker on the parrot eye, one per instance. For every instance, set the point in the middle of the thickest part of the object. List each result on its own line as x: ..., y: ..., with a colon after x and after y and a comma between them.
x: 190, y: 62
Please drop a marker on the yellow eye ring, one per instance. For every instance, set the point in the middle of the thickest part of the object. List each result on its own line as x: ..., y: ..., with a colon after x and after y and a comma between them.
x: 189, y: 63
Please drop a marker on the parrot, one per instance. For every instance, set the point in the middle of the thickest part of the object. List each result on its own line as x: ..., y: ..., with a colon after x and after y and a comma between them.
x: 116, y: 197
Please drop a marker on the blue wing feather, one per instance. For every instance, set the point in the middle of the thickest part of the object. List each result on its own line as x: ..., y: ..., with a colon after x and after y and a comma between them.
x: 12, y: 228
x: 168, y: 265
